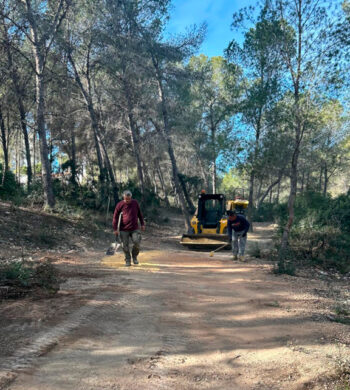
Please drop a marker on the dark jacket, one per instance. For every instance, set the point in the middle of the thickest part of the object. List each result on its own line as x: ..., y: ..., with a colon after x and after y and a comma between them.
x: 240, y: 224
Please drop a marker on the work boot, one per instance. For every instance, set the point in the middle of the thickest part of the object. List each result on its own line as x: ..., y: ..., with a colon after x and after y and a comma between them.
x: 241, y: 258
x: 135, y: 261
x: 127, y: 263
x: 234, y: 257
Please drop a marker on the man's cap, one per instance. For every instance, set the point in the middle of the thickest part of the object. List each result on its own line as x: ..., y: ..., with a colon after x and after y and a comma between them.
x: 231, y: 212
x: 127, y: 193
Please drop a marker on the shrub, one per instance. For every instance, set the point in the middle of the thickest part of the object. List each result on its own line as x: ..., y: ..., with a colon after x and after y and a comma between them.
x: 285, y: 263
x: 17, y: 273
x: 256, y: 251
x: 10, y: 188
x: 36, y: 194
x: 267, y: 212
x: 320, y: 234
x: 28, y: 274
x: 151, y: 201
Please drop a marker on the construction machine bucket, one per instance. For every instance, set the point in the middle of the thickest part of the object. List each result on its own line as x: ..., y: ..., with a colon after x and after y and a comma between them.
x: 204, y: 241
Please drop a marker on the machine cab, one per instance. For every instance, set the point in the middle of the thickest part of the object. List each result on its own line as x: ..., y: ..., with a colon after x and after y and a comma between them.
x: 210, y: 211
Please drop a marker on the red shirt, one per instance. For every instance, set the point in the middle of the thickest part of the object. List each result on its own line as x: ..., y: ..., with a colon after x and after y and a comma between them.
x: 131, y: 213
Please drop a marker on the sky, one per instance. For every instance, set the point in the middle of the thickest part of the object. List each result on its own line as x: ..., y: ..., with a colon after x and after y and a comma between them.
x: 216, y: 13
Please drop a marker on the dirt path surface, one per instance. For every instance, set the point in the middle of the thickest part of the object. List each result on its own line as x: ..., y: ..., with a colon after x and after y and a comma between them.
x: 184, y: 320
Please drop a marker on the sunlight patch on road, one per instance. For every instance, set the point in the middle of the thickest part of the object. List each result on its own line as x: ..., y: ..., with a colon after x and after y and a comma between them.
x: 118, y: 351
x: 147, y: 261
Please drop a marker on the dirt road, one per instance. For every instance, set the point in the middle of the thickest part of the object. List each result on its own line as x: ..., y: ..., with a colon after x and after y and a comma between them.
x: 183, y: 320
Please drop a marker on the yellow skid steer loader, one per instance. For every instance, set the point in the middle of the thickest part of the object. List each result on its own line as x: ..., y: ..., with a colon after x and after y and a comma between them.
x: 209, y: 224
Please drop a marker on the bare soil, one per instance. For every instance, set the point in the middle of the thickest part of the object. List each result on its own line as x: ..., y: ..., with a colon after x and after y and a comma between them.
x: 179, y: 320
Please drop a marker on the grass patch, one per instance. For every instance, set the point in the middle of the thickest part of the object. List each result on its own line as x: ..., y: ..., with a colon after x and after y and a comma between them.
x: 342, y: 310
x: 29, y: 275
x: 283, y: 266
x: 16, y: 273
x: 256, y: 251
x: 343, y: 373
x: 342, y: 320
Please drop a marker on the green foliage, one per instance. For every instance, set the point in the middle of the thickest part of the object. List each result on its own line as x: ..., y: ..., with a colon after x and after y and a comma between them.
x: 321, y: 231
x: 256, y: 251
x: 342, y: 310
x: 67, y: 164
x: 192, y: 183
x: 230, y: 181
x: 10, y: 188
x: 150, y: 199
x: 35, y: 198
x: 17, y: 271
x: 267, y: 212
x: 285, y: 264
x: 343, y: 372
x: 149, y: 203
x: 87, y: 196
x: 71, y: 199
x: 46, y: 276
x: 24, y: 274
x: 214, y: 100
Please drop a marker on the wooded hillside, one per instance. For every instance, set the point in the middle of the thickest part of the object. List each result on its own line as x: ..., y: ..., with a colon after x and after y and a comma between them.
x: 95, y: 97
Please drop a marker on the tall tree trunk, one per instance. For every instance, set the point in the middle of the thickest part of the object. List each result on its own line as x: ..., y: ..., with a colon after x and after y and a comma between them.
x: 161, y: 179
x: 269, y: 189
x: 44, y: 152
x: 293, y: 186
x: 252, y: 175
x: 94, y: 125
x: 136, y: 150
x: 258, y: 193
x: 326, y: 178
x: 110, y: 173
x: 213, y: 177
x: 278, y: 192
x: 51, y: 156
x: 302, y: 182
x: 251, y: 200
x: 21, y: 110
x: 17, y: 163
x: 73, y: 178
x: 135, y: 137
x: 320, y: 179
x: 166, y: 133
x: 5, y: 168
x: 107, y: 161
x: 40, y: 48
x: 189, y: 202
x: 155, y: 184
x: 204, y: 175
x: 308, y: 181
x: 26, y: 142
x: 298, y: 130
x: 213, y: 141
x: 34, y: 153
x: 175, y: 175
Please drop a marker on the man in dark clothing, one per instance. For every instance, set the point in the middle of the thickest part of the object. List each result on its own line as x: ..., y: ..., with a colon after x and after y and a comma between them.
x: 125, y: 217
x: 237, y: 228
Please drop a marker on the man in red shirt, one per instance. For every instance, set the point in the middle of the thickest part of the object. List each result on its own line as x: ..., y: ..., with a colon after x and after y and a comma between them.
x: 128, y: 213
